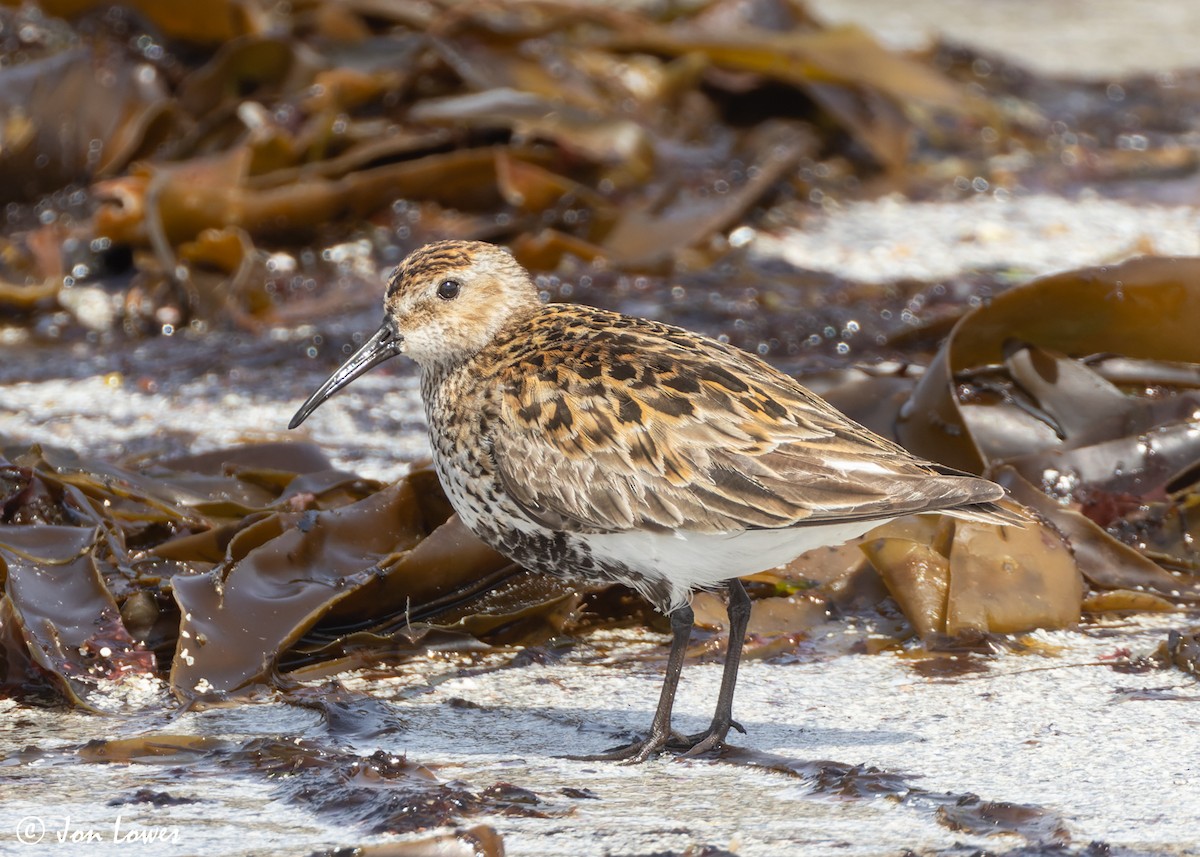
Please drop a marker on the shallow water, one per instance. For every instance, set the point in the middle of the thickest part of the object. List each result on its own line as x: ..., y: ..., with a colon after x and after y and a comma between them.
x: 1038, y: 751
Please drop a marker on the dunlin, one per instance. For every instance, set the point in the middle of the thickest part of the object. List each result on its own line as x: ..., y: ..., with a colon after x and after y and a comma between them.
x: 592, y: 445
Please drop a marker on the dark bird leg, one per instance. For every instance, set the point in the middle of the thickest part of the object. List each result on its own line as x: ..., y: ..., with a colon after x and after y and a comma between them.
x: 739, y: 618
x: 660, y: 728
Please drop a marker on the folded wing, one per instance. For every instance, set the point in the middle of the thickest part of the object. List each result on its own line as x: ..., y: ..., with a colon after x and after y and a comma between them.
x: 651, y: 427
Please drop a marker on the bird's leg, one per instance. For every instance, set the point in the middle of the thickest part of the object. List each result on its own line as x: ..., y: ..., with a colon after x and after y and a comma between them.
x: 660, y: 728
x: 739, y: 618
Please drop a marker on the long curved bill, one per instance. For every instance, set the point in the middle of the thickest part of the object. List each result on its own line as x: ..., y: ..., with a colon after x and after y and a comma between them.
x: 382, y: 346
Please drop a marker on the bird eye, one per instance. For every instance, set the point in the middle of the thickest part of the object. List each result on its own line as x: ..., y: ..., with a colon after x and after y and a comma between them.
x: 448, y: 289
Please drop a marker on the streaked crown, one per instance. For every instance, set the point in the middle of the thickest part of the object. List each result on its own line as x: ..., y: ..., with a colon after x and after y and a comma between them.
x: 449, y: 299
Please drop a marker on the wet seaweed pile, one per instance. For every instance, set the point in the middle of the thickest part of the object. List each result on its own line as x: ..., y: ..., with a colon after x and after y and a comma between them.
x: 1078, y: 393
x: 174, y: 147
x: 166, y: 171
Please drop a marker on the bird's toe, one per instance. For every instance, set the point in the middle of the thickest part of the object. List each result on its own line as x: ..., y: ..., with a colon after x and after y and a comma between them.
x: 713, y: 738
x: 632, y: 753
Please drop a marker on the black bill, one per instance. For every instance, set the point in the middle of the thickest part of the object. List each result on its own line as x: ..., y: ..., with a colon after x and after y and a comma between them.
x: 382, y: 346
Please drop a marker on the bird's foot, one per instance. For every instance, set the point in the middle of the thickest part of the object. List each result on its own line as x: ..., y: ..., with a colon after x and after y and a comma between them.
x: 637, y: 751
x: 713, y: 738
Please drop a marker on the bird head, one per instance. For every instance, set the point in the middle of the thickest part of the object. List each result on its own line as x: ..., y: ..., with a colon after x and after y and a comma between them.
x: 445, y: 302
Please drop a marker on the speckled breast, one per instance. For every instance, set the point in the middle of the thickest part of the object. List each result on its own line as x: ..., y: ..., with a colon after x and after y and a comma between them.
x: 461, y: 457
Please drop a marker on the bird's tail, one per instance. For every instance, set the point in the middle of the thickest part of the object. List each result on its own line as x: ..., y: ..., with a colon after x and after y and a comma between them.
x: 991, y: 513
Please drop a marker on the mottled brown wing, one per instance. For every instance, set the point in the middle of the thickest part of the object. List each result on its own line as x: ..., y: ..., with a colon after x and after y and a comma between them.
x: 637, y: 425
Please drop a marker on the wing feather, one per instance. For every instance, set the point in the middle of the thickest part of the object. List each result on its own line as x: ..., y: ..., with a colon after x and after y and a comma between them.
x: 646, y: 426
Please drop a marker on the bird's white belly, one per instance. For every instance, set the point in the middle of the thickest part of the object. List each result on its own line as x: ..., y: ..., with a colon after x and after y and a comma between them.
x: 686, y: 561
x: 691, y: 561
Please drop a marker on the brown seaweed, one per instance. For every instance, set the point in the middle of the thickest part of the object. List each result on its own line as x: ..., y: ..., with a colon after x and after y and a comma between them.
x: 603, y: 134
x: 1037, y: 825
x: 221, y: 563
